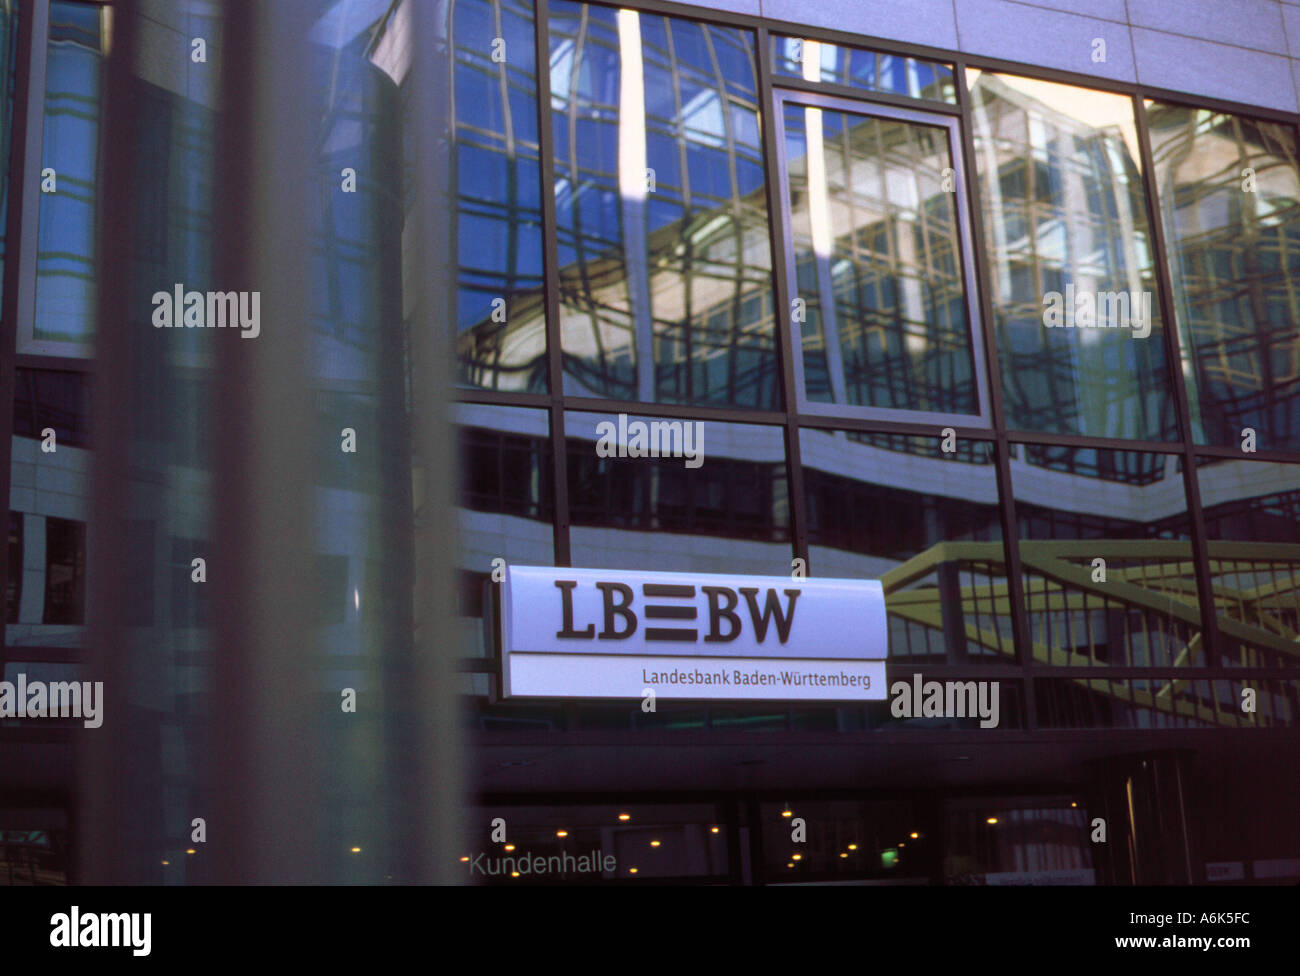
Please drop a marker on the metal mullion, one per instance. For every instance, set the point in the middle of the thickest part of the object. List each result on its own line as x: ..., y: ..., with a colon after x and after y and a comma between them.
x: 551, y: 285
x: 501, y: 398
x: 993, y: 369
x: 773, y: 177
x: 46, y: 654
x: 1049, y: 439
x: 1169, y: 319
x: 1235, y: 454
x: 866, y: 425
x: 865, y: 95
x: 66, y: 364
x: 1168, y: 673
x: 685, y: 411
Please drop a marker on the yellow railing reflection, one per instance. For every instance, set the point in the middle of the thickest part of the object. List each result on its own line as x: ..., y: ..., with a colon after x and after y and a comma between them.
x: 1145, y: 592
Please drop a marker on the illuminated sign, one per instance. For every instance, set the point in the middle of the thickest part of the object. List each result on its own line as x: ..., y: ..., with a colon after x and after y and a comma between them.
x: 603, y: 633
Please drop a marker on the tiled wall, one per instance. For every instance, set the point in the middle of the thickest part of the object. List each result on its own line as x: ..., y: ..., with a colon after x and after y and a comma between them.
x: 1243, y: 50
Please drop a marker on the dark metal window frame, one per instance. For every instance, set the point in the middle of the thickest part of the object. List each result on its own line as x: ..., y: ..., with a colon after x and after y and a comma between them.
x: 859, y: 105
x: 792, y: 418
x: 19, y: 274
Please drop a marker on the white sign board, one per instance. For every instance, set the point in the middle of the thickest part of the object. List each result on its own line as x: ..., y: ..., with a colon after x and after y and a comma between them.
x: 608, y: 633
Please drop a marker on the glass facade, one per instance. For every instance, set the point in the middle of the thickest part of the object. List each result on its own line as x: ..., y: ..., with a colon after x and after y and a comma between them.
x: 501, y: 336
x: 65, y: 259
x: 1072, y: 282
x: 883, y: 318
x: 991, y: 339
x: 661, y: 222
x: 1229, y: 191
x: 871, y: 71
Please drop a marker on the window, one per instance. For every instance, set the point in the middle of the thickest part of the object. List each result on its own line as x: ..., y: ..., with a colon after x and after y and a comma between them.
x: 1229, y: 189
x: 891, y: 507
x: 65, y: 571
x: 664, y: 249
x: 1251, y: 510
x: 1079, y: 328
x: 58, y: 399
x: 882, y: 311
x: 65, y: 258
x: 1138, y: 607
x: 894, y: 74
x: 717, y: 504
x: 500, y: 314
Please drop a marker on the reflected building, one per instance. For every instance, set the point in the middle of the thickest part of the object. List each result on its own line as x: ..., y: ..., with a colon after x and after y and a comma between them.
x: 832, y: 255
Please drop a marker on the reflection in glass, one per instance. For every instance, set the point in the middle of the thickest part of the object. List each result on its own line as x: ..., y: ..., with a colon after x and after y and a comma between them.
x: 58, y: 399
x: 1229, y: 190
x: 878, y: 262
x: 1016, y: 840
x: 1160, y: 703
x: 797, y: 57
x: 35, y: 857
x: 1252, y: 519
x: 65, y: 258
x: 1067, y: 235
x: 664, y: 250
x: 1107, y: 558
x: 498, y: 214
x: 845, y: 839
x: 926, y: 523
x: 661, y: 841
x: 719, y: 506
x: 505, y: 507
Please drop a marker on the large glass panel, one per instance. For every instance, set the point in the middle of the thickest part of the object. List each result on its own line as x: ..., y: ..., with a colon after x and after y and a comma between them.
x: 926, y: 523
x: 1229, y: 190
x: 1107, y: 559
x: 65, y: 257
x: 1252, y: 521
x: 878, y: 262
x: 551, y: 845
x: 799, y: 57
x: 1001, y: 840
x: 713, y: 499
x: 500, y: 314
x: 48, y: 494
x: 1079, y: 328
x: 505, y: 509
x: 881, y: 841
x: 57, y: 399
x: 664, y: 248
